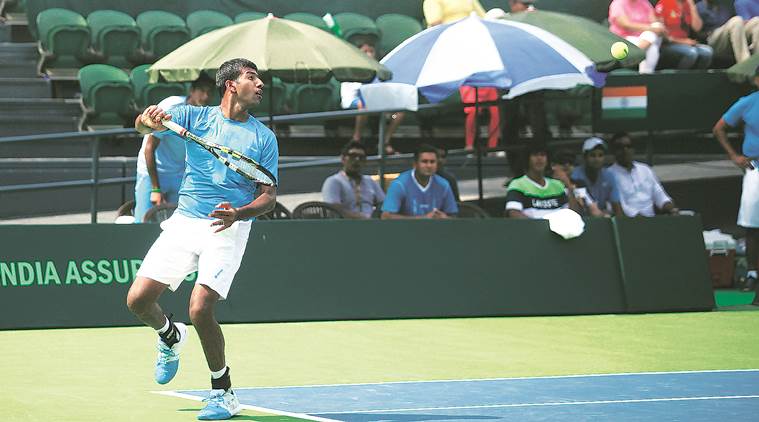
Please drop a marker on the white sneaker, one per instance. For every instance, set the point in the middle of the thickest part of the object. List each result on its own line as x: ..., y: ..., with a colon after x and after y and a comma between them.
x: 167, y: 364
x: 220, y: 405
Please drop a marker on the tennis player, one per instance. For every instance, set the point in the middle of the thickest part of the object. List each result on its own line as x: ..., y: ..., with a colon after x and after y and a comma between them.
x: 209, y: 230
x: 746, y: 112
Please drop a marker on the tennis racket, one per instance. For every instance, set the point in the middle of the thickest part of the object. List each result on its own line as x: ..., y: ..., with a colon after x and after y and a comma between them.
x: 236, y: 161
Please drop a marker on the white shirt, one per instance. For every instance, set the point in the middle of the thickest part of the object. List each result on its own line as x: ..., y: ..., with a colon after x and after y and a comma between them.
x: 639, y: 189
x: 348, y: 93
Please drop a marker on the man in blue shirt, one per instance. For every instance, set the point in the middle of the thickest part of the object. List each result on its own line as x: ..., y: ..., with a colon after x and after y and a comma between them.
x: 419, y: 192
x: 596, y: 177
x: 729, y: 35
x: 160, y: 162
x: 746, y: 112
x: 209, y: 231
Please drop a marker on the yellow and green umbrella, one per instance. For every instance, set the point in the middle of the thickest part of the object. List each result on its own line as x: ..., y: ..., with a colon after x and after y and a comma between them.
x: 745, y: 70
x: 591, y: 38
x: 289, y: 50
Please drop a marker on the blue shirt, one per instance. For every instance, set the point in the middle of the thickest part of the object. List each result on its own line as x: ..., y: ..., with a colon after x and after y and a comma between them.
x: 207, y: 182
x: 746, y: 110
x: 169, y: 156
x: 406, y: 196
x: 747, y: 9
x: 604, y: 191
x: 714, y: 17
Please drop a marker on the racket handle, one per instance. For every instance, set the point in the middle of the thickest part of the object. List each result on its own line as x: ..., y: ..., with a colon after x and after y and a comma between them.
x: 179, y: 130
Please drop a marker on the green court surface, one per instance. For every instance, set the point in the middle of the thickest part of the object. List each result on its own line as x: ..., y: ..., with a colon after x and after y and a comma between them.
x: 106, y: 374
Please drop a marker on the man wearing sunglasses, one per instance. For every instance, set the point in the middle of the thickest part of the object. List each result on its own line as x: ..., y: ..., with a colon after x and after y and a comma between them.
x: 639, y: 188
x: 356, y: 194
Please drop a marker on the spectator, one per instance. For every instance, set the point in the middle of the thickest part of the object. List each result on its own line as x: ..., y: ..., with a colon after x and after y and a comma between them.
x: 562, y: 167
x: 350, y: 98
x: 746, y: 112
x: 419, y: 192
x: 598, y: 179
x: 534, y: 195
x: 639, y: 188
x: 161, y: 160
x: 437, y: 12
x: 725, y: 32
x: 471, y: 95
x: 635, y: 20
x: 442, y: 155
x: 681, y: 18
x: 356, y: 194
x: 517, y: 6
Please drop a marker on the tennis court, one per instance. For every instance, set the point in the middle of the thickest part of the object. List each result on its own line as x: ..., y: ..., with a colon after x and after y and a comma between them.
x: 677, y: 367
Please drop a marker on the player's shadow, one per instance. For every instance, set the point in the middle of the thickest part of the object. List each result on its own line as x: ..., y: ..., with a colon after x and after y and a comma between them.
x: 399, y: 417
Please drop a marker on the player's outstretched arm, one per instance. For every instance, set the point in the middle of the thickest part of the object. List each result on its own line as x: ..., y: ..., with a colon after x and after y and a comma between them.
x: 150, y: 120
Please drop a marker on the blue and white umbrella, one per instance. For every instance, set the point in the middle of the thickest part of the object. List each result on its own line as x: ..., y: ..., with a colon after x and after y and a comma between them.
x: 489, y: 53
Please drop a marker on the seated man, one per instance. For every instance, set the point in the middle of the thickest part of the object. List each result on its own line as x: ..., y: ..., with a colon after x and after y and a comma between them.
x: 562, y: 167
x: 419, y: 192
x: 681, y: 51
x: 161, y: 160
x: 639, y: 188
x: 534, y: 195
x: 597, y: 179
x: 729, y: 35
x: 356, y: 194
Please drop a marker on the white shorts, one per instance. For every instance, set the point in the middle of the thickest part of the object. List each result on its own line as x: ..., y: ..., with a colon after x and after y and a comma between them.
x: 748, y: 214
x: 189, y: 244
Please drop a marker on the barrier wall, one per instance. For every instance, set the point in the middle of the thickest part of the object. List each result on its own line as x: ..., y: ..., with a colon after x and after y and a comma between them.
x: 78, y: 275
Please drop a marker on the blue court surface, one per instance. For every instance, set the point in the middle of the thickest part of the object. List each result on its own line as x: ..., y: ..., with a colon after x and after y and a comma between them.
x: 672, y: 396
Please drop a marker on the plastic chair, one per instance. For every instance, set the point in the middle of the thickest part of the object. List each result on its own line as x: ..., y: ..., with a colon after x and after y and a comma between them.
x: 308, y: 19
x: 312, y: 98
x: 280, y: 212
x: 161, y: 32
x: 146, y: 93
x: 358, y: 29
x: 159, y: 213
x: 203, y: 21
x: 114, y: 37
x: 249, y: 16
x: 106, y: 94
x: 471, y: 211
x: 315, y: 210
x: 63, y: 38
x: 394, y: 29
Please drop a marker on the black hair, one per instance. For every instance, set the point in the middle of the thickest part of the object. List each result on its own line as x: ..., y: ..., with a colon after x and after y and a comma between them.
x: 562, y: 156
x: 616, y: 137
x: 230, y: 70
x: 531, y: 149
x: 203, y: 82
x: 756, y: 72
x: 423, y: 148
x: 352, y: 145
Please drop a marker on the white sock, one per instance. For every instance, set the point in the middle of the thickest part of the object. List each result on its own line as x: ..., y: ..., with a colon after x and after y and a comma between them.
x: 165, y: 326
x: 218, y: 374
x: 750, y: 274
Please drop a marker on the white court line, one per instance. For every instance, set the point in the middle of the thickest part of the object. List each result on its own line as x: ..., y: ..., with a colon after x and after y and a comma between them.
x: 249, y: 407
x: 707, y: 371
x: 575, y: 403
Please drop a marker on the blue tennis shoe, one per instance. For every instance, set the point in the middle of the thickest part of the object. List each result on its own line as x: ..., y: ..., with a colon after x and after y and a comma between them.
x: 220, y: 405
x: 167, y: 364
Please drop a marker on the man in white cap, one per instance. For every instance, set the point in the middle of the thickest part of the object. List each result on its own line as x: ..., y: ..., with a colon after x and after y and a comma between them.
x: 598, y: 181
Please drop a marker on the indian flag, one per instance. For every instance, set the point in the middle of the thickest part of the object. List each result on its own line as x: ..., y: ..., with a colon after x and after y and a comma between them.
x: 624, y: 102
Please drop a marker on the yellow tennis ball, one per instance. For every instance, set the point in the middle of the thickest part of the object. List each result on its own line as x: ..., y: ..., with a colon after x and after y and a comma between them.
x: 619, y: 50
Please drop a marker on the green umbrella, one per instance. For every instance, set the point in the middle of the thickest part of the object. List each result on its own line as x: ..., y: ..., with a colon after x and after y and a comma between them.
x: 289, y: 50
x: 591, y: 38
x: 745, y: 70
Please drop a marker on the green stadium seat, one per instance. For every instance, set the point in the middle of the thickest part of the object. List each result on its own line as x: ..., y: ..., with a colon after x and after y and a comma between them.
x: 358, y: 29
x: 313, y: 98
x: 204, y: 21
x: 146, y: 94
x: 106, y: 95
x: 308, y: 19
x: 162, y: 32
x: 114, y: 37
x: 63, y: 38
x: 394, y: 29
x: 249, y: 16
x: 278, y: 91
